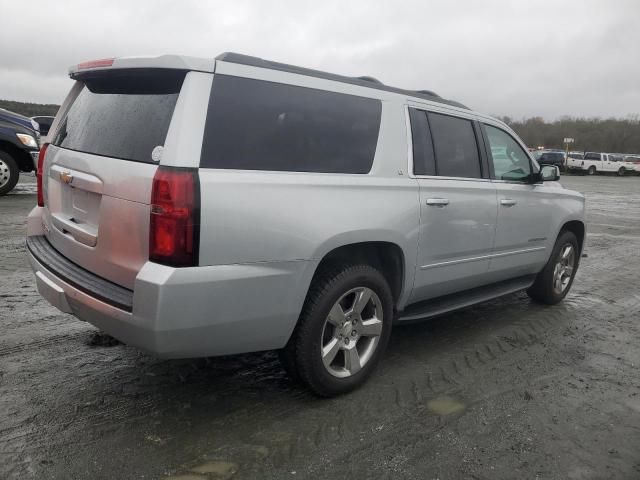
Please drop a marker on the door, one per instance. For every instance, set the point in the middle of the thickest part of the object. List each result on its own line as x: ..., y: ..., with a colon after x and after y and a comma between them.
x: 457, y: 205
x: 595, y: 160
x: 608, y: 163
x: 524, y: 226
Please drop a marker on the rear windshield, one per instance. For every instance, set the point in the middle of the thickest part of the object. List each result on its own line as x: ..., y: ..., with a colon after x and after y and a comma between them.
x: 258, y: 125
x: 121, y: 115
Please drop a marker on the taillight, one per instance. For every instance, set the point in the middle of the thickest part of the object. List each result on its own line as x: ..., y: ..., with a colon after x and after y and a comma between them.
x: 43, y: 152
x: 175, y: 217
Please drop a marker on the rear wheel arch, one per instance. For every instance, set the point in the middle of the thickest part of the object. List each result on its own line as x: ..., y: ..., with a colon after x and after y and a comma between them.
x: 387, y: 257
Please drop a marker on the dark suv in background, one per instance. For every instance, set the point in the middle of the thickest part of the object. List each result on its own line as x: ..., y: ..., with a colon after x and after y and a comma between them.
x: 44, y: 124
x: 555, y: 158
x: 19, y: 146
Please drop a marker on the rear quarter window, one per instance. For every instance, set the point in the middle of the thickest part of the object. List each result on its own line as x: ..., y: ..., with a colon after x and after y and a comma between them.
x: 259, y: 125
x: 121, y: 115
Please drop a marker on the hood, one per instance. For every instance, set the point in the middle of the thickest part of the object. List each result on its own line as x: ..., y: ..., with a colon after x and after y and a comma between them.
x: 18, y: 119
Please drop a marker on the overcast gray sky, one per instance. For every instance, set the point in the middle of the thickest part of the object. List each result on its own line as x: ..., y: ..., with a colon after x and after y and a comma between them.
x: 517, y: 58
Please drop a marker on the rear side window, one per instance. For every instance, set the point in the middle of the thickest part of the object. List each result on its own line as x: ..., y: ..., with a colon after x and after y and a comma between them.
x: 258, y: 125
x: 423, y: 160
x: 455, y: 146
x: 121, y: 115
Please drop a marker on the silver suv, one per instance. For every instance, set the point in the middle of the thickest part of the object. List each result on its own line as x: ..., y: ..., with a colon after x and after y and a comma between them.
x: 196, y: 207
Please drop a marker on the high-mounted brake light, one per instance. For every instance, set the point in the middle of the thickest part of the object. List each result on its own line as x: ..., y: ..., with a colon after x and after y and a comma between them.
x: 174, y: 229
x: 103, y: 62
x: 39, y: 172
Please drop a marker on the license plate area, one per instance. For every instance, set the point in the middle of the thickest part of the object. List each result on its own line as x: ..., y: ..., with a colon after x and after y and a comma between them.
x: 74, y: 203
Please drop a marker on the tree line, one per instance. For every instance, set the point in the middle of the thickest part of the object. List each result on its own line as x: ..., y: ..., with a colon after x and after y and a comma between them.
x: 29, y: 109
x: 611, y: 135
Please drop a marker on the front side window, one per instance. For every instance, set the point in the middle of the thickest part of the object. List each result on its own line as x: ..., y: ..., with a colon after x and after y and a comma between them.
x: 510, y: 161
x: 259, y: 125
x: 592, y: 156
x: 455, y: 146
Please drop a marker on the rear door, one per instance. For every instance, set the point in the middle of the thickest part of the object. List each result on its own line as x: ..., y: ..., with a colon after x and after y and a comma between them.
x: 100, y: 165
x: 457, y: 205
x: 525, y: 224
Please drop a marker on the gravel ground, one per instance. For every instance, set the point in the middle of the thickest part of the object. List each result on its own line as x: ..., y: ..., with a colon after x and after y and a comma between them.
x: 508, y: 389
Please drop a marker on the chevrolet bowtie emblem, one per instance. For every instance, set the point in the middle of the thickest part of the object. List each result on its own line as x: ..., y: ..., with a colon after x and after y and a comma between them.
x: 66, y: 177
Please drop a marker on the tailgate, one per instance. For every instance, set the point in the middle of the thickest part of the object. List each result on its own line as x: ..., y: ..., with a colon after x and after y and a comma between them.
x: 99, y: 170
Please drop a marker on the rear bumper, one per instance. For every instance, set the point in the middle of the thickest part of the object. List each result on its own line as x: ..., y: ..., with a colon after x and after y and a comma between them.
x: 189, y: 312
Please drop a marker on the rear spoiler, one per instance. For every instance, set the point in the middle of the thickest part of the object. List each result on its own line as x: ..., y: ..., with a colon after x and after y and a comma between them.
x: 177, y: 62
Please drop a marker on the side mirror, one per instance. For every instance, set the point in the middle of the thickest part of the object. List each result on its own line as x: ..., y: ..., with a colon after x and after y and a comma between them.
x: 550, y: 173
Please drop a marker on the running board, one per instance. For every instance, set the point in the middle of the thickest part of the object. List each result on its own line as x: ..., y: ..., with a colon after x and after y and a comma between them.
x: 456, y: 301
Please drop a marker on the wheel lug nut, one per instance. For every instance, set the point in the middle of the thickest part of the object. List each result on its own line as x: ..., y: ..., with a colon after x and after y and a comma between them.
x: 354, y: 333
x: 346, y: 341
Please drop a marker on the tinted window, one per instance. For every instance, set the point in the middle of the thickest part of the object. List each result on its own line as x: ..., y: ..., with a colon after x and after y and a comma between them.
x: 44, y: 123
x: 510, y: 161
x: 455, y: 146
x: 257, y: 125
x: 592, y: 156
x: 423, y: 159
x: 121, y: 116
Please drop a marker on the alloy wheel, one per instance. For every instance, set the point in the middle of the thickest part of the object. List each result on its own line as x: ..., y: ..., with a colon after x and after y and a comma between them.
x: 351, y: 332
x: 563, y: 269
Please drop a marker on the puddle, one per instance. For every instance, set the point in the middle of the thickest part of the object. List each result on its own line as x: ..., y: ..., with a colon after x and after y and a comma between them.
x: 185, y: 477
x: 219, y: 468
x: 445, y: 406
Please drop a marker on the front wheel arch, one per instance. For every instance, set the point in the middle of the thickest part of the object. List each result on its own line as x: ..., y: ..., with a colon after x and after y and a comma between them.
x: 577, y: 228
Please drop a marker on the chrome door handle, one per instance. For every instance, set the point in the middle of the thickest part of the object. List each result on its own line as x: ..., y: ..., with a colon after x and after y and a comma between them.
x: 437, y: 202
x: 508, y: 202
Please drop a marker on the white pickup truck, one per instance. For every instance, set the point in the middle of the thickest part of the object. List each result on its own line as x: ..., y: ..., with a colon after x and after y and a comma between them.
x: 601, y: 162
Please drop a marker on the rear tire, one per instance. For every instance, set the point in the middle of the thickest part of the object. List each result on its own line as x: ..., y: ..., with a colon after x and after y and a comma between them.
x: 343, y: 330
x: 9, y: 173
x: 591, y: 170
x: 554, y: 281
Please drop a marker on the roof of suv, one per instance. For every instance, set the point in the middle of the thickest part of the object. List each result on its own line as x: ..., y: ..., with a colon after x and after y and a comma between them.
x: 207, y: 65
x: 364, y: 81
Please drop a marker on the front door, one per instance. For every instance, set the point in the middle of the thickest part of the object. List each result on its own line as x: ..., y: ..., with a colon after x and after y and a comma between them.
x: 524, y: 227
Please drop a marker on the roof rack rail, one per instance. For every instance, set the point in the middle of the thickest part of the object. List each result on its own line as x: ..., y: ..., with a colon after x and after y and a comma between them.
x: 365, y: 81
x: 429, y: 92
x: 367, y: 78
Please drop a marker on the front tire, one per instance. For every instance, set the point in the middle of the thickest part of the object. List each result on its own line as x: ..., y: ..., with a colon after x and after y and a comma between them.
x: 554, y: 281
x: 621, y: 172
x: 343, y: 330
x: 9, y: 173
x: 591, y: 170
